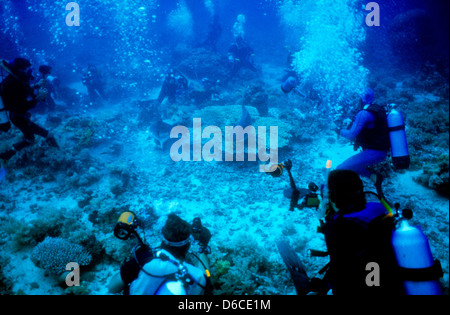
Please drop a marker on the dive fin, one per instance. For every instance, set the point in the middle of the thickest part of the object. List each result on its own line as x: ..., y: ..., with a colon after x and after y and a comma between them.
x: 295, y: 267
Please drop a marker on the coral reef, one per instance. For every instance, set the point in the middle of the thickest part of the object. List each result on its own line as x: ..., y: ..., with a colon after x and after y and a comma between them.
x: 5, y: 283
x: 435, y: 175
x: 244, y: 269
x: 256, y: 96
x: 199, y: 63
x: 230, y: 115
x: 53, y: 254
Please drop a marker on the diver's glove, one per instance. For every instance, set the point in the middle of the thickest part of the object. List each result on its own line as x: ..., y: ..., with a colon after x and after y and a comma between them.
x: 202, y: 235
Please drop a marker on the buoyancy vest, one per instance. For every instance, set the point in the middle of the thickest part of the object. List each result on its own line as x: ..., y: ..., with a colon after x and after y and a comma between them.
x: 354, y: 240
x: 376, y: 138
x: 164, y: 270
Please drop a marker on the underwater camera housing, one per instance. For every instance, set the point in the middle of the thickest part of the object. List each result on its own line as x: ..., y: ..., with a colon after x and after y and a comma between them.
x: 276, y: 170
x: 126, y: 226
x: 304, y: 198
x: 300, y: 198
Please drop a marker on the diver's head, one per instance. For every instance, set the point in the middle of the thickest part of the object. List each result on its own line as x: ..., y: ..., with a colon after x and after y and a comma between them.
x: 346, y: 191
x: 176, y: 235
x: 92, y: 68
x: 45, y: 70
x: 239, y: 40
x: 22, y: 68
x: 367, y: 97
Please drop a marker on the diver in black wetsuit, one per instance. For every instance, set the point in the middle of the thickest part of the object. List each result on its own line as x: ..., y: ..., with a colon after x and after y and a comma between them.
x: 240, y: 56
x: 50, y: 84
x: 19, y: 98
x: 94, y: 83
x: 175, y: 85
x: 358, y: 232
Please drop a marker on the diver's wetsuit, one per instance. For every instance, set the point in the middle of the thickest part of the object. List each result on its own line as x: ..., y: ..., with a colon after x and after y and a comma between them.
x: 19, y: 99
x: 172, y: 87
x: 355, y: 239
x: 372, y: 136
x: 242, y: 58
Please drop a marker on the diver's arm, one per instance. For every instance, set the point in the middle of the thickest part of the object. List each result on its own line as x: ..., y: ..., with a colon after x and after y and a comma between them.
x: 295, y: 192
x: 288, y: 167
x: 291, y: 180
x: 362, y: 119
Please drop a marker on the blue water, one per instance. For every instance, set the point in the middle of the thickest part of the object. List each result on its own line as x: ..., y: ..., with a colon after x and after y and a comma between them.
x: 108, y: 161
x: 2, y: 173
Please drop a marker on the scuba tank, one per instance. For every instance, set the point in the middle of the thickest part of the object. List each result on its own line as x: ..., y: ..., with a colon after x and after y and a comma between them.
x: 399, y: 142
x: 5, y: 125
x: 289, y: 85
x: 172, y: 288
x: 413, y: 254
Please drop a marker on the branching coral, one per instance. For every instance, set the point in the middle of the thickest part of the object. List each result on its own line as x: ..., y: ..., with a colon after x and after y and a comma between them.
x: 53, y: 254
x: 244, y: 269
x: 435, y: 175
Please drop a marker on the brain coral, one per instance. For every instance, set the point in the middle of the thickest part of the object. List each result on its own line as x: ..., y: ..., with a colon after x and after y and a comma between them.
x: 53, y: 254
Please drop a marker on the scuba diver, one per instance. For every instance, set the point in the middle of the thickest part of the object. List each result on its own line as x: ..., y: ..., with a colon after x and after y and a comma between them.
x: 169, y: 270
x: 290, y: 79
x: 300, y: 197
x: 240, y: 56
x: 175, y: 85
x: 370, y: 132
x: 18, y: 95
x: 94, y: 83
x: 359, y: 234
x: 50, y: 83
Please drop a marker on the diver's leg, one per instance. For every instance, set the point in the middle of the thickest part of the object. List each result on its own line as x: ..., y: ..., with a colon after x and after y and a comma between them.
x: 359, y: 162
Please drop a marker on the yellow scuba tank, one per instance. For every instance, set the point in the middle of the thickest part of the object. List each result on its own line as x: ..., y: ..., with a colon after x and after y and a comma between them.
x: 413, y: 254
